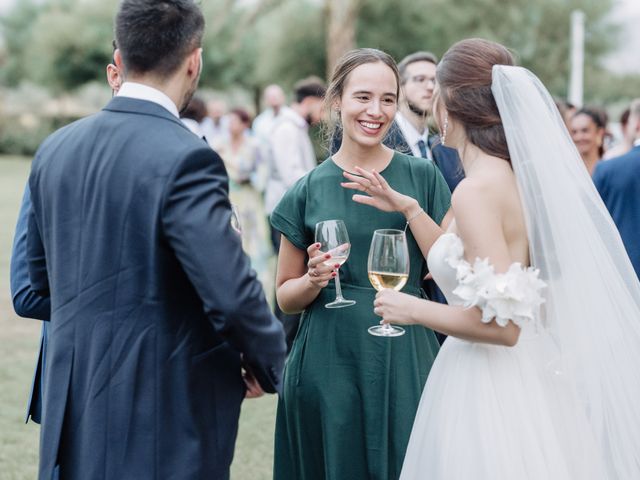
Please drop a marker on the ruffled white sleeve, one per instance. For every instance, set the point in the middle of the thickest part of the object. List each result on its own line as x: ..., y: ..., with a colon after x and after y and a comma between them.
x: 514, y: 295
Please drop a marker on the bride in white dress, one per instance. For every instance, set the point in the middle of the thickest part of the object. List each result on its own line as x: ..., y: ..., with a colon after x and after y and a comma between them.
x: 540, y: 376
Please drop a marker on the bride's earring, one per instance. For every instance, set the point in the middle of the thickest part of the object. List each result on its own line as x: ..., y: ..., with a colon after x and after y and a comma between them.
x: 444, y: 128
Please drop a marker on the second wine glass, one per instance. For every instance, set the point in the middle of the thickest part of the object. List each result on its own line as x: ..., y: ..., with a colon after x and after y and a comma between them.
x: 333, y: 239
x: 388, y: 267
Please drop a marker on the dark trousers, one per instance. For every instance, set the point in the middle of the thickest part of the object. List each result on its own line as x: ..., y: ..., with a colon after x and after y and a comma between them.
x: 291, y: 323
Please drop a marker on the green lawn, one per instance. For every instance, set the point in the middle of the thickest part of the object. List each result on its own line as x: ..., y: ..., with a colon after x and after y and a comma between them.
x: 18, y: 348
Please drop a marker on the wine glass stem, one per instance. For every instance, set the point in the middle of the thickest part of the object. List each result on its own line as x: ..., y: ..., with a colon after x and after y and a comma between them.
x: 338, y: 288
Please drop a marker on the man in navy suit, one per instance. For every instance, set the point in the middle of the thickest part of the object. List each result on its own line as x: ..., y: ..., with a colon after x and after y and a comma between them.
x: 410, y: 131
x: 26, y: 302
x: 618, y: 181
x: 154, y: 307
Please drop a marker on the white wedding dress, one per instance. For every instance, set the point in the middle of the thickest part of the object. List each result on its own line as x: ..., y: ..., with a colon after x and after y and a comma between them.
x: 492, y: 412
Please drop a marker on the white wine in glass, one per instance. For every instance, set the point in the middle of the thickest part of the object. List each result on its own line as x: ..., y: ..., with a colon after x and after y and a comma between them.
x: 388, y: 267
x: 333, y: 239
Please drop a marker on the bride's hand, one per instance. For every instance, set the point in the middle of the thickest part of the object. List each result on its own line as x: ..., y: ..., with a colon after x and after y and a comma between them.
x: 379, y: 194
x: 396, y: 307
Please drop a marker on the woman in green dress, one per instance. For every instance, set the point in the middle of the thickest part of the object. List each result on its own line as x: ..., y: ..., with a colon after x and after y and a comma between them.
x: 349, y: 398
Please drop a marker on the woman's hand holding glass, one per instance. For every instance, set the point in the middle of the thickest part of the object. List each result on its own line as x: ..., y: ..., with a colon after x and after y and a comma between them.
x: 396, y: 307
x: 319, y: 273
x: 378, y: 192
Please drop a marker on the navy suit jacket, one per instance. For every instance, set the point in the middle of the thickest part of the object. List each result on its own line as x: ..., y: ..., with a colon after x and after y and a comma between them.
x: 618, y: 181
x: 27, y: 303
x: 152, y: 300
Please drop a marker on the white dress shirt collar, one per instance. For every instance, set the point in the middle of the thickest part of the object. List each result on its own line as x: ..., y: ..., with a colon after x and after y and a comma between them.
x: 140, y: 91
x: 412, y: 136
x: 636, y: 143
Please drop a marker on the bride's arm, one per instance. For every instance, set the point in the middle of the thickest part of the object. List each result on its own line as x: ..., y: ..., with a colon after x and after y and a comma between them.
x: 479, y: 223
x: 381, y: 196
x: 464, y: 323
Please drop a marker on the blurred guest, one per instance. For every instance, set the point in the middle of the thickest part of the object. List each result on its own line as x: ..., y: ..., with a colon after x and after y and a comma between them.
x: 292, y: 156
x: 566, y: 109
x: 193, y: 115
x: 241, y: 155
x: 618, y: 182
x: 215, y: 126
x: 274, y: 101
x: 418, y: 81
x: 588, y: 127
x: 625, y: 143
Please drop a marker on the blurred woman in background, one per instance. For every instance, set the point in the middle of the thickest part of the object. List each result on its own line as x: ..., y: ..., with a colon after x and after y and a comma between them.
x: 587, y: 128
x: 241, y: 155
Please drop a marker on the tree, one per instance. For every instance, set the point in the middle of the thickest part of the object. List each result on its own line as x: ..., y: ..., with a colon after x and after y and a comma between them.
x: 341, y: 17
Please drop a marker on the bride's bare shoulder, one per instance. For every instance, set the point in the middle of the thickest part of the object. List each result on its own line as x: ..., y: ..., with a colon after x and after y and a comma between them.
x: 476, y: 192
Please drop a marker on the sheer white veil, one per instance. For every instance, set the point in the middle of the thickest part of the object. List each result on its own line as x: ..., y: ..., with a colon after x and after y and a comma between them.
x: 593, y: 296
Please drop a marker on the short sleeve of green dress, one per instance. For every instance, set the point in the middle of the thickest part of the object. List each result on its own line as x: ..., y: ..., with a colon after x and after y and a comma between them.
x: 350, y: 398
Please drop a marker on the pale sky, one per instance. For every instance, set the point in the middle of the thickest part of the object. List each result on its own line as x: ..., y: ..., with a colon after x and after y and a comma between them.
x: 625, y: 59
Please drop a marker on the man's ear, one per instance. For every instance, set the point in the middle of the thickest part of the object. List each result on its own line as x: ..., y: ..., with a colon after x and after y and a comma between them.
x: 194, y: 62
x: 117, y: 58
x: 113, y: 77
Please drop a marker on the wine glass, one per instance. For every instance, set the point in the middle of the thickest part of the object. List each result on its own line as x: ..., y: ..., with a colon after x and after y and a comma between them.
x: 235, y: 219
x: 333, y: 239
x: 388, y: 267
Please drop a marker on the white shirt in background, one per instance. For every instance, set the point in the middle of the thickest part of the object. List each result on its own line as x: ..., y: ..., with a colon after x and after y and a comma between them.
x: 291, y: 156
x: 413, y: 137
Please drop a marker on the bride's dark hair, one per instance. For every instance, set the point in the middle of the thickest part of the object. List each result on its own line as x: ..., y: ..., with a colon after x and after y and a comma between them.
x: 464, y: 79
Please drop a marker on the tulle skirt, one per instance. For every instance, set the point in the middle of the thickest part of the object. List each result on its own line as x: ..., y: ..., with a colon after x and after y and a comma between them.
x: 491, y: 413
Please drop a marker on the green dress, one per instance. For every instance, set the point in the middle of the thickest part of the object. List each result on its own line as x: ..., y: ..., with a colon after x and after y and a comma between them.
x: 349, y: 398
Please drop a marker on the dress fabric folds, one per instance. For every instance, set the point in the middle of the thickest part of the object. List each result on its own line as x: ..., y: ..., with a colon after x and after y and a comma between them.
x: 350, y: 398
x: 491, y: 412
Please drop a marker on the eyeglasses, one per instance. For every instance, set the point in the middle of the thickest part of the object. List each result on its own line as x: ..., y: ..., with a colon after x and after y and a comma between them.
x: 423, y: 79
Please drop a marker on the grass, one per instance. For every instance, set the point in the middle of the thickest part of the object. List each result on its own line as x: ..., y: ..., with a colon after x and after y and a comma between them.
x: 19, y: 340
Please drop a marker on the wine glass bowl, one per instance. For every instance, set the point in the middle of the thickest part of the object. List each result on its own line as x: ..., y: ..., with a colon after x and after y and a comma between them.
x: 388, y: 267
x: 333, y: 239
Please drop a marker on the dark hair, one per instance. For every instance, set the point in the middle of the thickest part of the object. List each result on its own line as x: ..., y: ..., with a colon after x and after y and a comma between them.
x: 624, y: 117
x: 599, y: 118
x: 242, y: 114
x: 309, y: 87
x: 155, y: 36
x: 413, y: 58
x: 347, y: 64
x: 464, y: 76
x: 195, y: 110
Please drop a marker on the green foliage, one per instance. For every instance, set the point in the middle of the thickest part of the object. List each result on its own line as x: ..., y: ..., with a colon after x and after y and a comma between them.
x: 538, y: 32
x: 17, y: 29
x: 63, y: 44
x: 282, y: 44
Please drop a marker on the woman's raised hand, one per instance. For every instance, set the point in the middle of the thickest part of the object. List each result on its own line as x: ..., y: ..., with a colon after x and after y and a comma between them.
x: 318, y: 272
x: 378, y: 192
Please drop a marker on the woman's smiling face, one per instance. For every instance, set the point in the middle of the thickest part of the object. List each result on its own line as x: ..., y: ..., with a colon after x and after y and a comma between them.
x: 368, y: 104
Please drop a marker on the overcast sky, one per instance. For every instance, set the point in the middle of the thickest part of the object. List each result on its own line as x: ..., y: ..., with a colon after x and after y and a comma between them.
x: 625, y: 59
